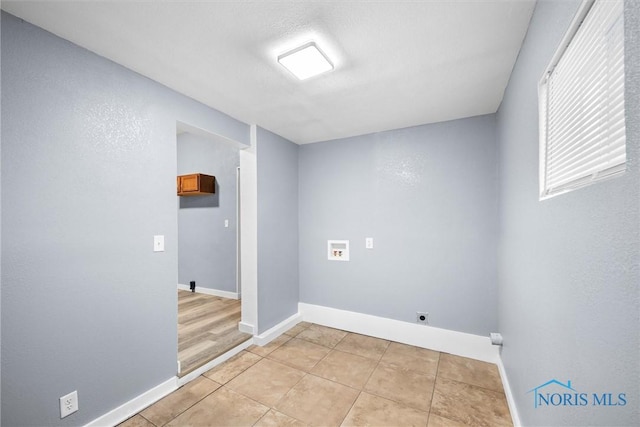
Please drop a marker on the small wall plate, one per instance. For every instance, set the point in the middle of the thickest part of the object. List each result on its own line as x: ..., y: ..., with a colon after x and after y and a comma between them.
x: 338, y: 250
x: 422, y: 317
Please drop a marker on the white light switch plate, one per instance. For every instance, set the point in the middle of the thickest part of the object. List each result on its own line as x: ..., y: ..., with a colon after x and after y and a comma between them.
x: 158, y: 243
x: 368, y: 243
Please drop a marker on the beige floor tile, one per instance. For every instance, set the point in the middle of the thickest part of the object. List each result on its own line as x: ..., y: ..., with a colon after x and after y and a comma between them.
x: 362, y: 345
x: 345, y: 368
x: 303, y: 381
x: 316, y: 401
x: 265, y: 350
x: 278, y: 419
x: 222, y: 408
x: 470, y: 371
x: 438, y: 421
x: 401, y: 385
x: 409, y: 357
x: 179, y: 401
x: 266, y: 381
x: 137, y: 421
x: 299, y: 354
x: 370, y: 410
x: 322, y: 335
x: 233, y: 367
x: 297, y: 329
x: 470, y: 404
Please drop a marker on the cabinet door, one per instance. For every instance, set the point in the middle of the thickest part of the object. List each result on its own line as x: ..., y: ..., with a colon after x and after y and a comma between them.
x: 189, y: 183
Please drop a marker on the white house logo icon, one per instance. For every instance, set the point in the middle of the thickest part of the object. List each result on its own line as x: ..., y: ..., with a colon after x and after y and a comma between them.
x: 547, y: 398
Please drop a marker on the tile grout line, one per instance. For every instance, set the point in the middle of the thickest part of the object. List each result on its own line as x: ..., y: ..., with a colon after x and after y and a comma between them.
x: 189, y: 407
x: 195, y: 403
x: 246, y: 397
x: 501, y: 391
x: 337, y: 382
x: 305, y: 372
x: 441, y: 363
x: 375, y: 367
x: 290, y: 388
x: 475, y: 386
x: 150, y: 422
x: 351, y: 407
x: 373, y: 393
x: 441, y: 376
x: 331, y: 349
x: 213, y: 391
x: 241, y: 372
x: 433, y: 391
x: 225, y: 385
x: 365, y: 383
x: 273, y: 407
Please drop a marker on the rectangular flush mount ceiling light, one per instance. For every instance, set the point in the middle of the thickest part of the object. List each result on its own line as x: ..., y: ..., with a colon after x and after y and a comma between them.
x: 306, y: 61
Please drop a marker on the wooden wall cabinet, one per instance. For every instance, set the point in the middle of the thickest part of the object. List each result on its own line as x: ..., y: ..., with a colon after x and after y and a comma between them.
x: 196, y: 184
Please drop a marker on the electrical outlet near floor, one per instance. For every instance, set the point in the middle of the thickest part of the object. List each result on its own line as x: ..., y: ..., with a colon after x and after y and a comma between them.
x: 422, y: 317
x: 69, y: 404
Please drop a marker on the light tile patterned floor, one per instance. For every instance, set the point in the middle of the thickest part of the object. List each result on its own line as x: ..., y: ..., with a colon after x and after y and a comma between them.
x: 313, y: 375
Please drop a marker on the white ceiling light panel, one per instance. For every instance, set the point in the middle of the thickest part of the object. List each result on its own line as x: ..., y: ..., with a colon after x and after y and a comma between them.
x: 306, y: 61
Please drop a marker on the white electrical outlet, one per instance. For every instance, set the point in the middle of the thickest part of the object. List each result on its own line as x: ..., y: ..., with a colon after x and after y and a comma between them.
x: 226, y: 223
x: 69, y: 404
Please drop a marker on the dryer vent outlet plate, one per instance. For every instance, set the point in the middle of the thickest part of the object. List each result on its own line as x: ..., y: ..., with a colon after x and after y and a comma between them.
x: 422, y: 317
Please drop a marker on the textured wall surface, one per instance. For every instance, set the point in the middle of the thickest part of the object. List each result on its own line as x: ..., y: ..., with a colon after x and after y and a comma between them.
x: 277, y: 168
x: 0, y: 223
x: 88, y: 177
x: 427, y: 195
x: 207, y: 250
x: 569, y: 294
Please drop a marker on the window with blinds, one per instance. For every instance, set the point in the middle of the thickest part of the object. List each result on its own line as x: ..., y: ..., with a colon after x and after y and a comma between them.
x: 581, y: 96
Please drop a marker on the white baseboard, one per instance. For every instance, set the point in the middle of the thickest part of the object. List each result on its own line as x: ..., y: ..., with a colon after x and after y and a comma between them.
x: 270, y: 334
x: 148, y: 398
x: 246, y: 328
x: 513, y: 409
x: 215, y: 362
x: 458, y: 343
x: 136, y: 404
x: 207, y: 291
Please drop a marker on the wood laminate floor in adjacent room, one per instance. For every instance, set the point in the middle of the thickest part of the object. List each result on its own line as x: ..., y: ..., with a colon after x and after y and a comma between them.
x: 207, y: 328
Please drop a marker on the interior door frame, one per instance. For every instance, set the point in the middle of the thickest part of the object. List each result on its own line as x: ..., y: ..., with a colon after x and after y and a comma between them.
x: 246, y: 233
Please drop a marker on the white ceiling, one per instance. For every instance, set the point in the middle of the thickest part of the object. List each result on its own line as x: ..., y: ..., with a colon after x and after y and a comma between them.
x: 397, y: 63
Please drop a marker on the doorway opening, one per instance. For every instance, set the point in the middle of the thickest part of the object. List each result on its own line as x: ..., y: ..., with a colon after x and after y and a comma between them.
x: 209, y: 286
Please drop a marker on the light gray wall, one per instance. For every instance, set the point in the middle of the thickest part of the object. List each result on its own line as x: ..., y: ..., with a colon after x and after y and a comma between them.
x: 207, y: 250
x: 0, y: 222
x: 88, y: 177
x: 569, y: 295
x: 277, y: 168
x: 427, y: 195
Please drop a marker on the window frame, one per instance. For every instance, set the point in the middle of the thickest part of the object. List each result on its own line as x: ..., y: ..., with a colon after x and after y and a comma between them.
x: 546, y: 192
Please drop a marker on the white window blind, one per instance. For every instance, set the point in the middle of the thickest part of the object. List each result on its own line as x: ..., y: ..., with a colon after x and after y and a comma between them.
x: 582, y: 125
